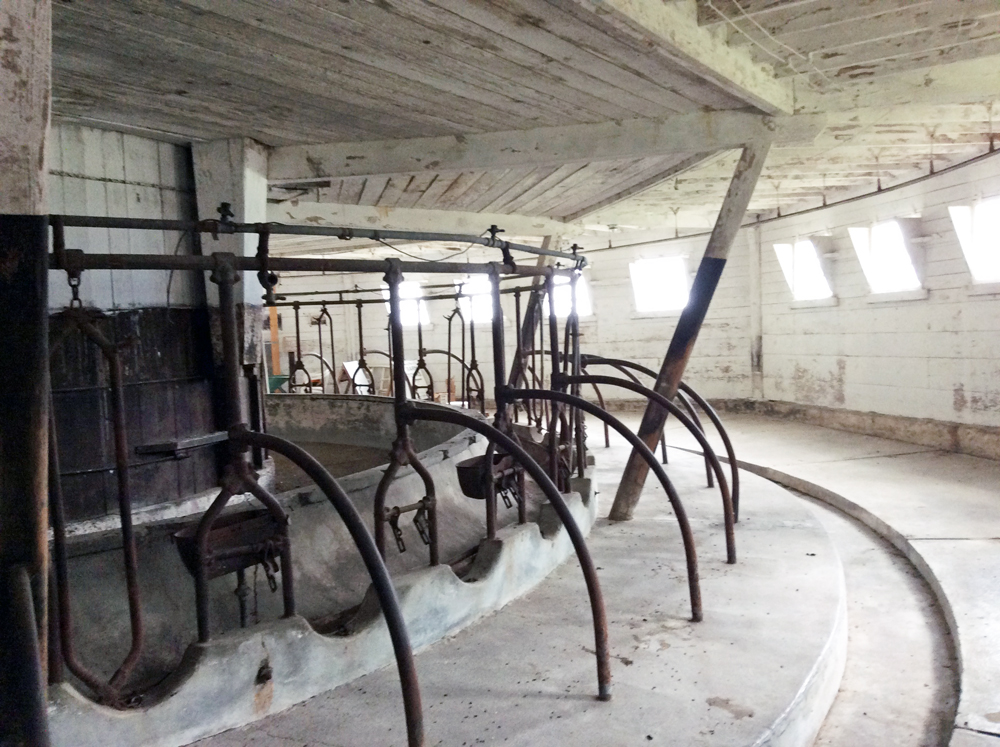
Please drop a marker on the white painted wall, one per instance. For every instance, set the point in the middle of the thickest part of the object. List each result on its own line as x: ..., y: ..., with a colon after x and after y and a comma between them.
x: 937, y: 357
x: 103, y: 173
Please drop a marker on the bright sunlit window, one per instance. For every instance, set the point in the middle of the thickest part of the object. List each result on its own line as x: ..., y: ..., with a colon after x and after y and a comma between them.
x: 978, y: 229
x: 478, y: 304
x: 881, y: 249
x: 659, y: 284
x: 563, y: 297
x: 410, y: 309
x: 802, y: 270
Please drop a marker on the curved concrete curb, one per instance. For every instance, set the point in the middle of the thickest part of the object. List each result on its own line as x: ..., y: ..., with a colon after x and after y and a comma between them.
x: 897, y: 540
x: 800, y: 722
x: 224, y: 683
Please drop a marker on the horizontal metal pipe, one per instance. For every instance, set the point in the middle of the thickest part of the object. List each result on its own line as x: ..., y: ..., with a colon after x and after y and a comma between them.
x: 78, y: 260
x: 345, y: 234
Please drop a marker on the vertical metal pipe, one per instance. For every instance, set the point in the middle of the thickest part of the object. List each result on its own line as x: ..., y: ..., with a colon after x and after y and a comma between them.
x: 554, y: 351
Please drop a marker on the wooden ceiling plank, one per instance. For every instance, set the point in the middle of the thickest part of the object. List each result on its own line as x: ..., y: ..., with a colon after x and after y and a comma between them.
x: 433, y: 193
x: 673, y: 32
x: 465, y: 181
x: 373, y: 189
x: 630, y: 189
x: 416, y: 187
x: 514, y: 179
x: 553, y: 180
x: 325, y: 34
x: 510, y: 25
x: 583, y: 181
x: 579, y: 24
x: 164, y: 47
x: 453, y: 37
x: 393, y: 190
x: 476, y: 192
x: 912, y: 18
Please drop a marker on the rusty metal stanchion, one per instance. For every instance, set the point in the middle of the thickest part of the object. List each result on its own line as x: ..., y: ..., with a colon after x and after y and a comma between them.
x: 427, y: 411
x: 295, y: 365
x: 475, y: 388
x: 112, y: 691
x: 457, y: 312
x: 670, y: 407
x: 403, y: 453
x: 362, y: 365
x: 324, y: 318
x: 421, y: 369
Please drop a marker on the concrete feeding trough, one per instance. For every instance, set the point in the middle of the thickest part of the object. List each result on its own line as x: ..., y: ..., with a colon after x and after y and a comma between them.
x: 191, y: 690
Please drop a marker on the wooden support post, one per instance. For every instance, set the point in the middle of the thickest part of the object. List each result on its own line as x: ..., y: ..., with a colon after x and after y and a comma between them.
x: 707, y: 278
x: 25, y: 90
x: 533, y: 313
x: 234, y: 172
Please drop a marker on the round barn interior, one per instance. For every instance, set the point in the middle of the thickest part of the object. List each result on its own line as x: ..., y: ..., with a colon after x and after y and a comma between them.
x: 536, y: 372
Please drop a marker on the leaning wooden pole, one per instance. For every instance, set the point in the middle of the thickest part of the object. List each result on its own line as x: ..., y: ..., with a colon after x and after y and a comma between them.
x: 707, y: 278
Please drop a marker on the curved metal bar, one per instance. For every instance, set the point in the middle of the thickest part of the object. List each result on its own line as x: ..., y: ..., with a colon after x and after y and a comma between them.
x: 430, y: 500
x: 57, y: 515
x: 373, y: 562
x: 702, y: 403
x: 730, y: 452
x: 451, y: 356
x: 324, y: 314
x: 691, y: 555
x: 727, y: 503
x: 324, y: 363
x: 697, y: 421
x: 600, y: 402
x: 110, y: 352
x: 623, y: 370
x: 379, y: 503
x: 441, y: 414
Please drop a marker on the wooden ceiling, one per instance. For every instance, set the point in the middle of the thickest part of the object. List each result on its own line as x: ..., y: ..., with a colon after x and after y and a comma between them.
x: 302, y: 72
x: 904, y: 85
x: 830, y: 44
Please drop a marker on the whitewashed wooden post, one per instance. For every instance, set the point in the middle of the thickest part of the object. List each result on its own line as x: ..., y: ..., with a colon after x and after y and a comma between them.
x: 25, y: 100
x: 234, y: 172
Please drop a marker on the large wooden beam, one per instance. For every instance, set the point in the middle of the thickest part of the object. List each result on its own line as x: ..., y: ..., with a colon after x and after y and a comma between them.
x: 699, y: 132
x: 707, y: 278
x: 671, y: 29
x: 412, y: 219
x: 25, y: 90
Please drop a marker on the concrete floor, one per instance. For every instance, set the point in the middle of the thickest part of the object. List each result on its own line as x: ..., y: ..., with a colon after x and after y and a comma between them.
x: 900, y: 685
x: 526, y: 675
x: 939, y: 508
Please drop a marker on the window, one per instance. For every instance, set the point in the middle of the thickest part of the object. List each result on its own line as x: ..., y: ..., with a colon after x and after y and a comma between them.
x: 881, y: 249
x: 978, y: 229
x: 409, y: 307
x: 659, y: 284
x: 563, y: 297
x: 478, y: 305
x: 802, y: 270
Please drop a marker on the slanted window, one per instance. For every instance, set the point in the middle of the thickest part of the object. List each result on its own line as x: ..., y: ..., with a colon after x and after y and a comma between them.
x: 978, y: 229
x: 884, y: 258
x: 478, y: 304
x: 803, y: 271
x: 563, y: 297
x: 410, y: 309
x: 659, y: 284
